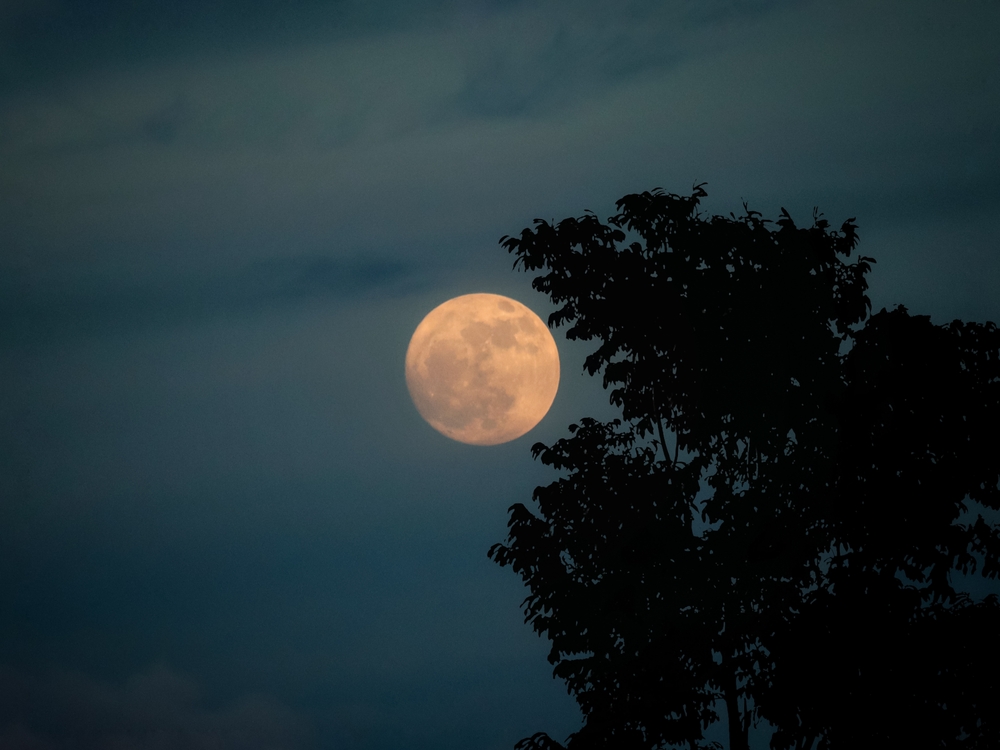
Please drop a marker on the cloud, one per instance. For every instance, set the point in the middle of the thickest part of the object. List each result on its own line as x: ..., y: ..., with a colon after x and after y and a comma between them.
x: 418, y: 138
x: 244, y: 148
x: 158, y: 709
x: 34, y: 307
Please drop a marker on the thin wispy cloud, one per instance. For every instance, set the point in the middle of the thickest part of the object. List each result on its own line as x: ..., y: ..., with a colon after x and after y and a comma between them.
x: 69, y: 306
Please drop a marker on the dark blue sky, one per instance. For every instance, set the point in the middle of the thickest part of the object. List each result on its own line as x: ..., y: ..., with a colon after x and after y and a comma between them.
x: 222, y: 519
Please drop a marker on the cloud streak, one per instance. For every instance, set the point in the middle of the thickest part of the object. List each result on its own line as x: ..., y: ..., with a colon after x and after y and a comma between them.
x: 418, y: 140
x: 34, y: 309
x: 309, y: 136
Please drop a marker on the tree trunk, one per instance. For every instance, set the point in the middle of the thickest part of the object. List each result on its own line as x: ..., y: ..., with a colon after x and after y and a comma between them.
x: 738, y: 739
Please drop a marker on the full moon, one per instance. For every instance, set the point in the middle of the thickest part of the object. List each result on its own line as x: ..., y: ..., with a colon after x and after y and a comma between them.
x: 482, y: 369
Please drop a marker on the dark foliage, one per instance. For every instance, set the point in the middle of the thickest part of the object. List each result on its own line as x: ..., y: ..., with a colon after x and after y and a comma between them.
x: 788, y: 553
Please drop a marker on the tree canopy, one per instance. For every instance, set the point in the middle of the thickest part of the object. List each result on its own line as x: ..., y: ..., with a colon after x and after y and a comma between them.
x: 774, y: 526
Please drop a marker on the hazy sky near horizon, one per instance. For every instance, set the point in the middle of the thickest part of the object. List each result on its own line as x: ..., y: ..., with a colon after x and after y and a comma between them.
x: 222, y: 519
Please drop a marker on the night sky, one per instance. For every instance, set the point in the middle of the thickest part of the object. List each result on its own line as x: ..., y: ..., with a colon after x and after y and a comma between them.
x: 223, y: 523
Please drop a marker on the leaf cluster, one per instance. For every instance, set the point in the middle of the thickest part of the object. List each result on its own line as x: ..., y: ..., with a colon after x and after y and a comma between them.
x: 887, y: 629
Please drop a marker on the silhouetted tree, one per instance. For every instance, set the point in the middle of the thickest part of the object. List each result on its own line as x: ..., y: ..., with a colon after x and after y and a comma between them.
x: 787, y: 552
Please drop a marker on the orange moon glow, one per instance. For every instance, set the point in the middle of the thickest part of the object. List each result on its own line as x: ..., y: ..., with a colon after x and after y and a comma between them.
x: 482, y: 369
